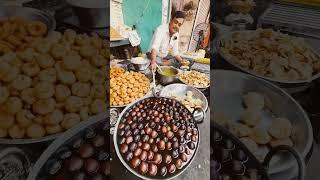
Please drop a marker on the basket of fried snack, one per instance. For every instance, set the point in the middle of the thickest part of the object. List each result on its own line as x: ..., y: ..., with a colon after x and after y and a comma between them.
x: 128, y: 87
x: 53, y: 84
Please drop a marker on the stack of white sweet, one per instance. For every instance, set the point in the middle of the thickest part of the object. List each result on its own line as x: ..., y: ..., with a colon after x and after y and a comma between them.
x: 251, y: 130
x: 189, y: 100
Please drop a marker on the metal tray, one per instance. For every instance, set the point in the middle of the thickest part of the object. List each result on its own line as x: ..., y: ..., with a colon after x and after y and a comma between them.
x: 230, y: 86
x: 180, y: 90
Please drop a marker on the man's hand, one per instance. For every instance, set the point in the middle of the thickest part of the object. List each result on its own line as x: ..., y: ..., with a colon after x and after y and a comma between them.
x: 166, y: 62
x: 153, y: 66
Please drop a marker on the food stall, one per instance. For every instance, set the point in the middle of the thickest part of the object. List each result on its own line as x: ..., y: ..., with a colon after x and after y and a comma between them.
x: 266, y: 70
x: 53, y: 117
x: 174, y: 142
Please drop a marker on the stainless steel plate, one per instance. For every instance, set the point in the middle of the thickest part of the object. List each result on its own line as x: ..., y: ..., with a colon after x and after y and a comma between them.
x: 181, y: 90
x: 29, y: 13
x: 227, y: 99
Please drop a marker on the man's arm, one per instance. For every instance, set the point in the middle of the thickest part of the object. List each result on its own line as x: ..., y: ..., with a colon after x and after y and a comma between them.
x: 178, y: 57
x: 153, y: 56
x: 154, y: 47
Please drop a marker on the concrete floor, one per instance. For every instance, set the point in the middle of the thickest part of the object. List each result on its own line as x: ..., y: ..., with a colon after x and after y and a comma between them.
x: 313, y: 165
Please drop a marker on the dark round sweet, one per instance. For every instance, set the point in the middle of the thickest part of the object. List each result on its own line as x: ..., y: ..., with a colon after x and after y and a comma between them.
x: 145, y: 146
x: 161, y: 145
x: 135, y: 162
x: 79, y: 176
x: 184, y: 157
x: 91, y: 166
x: 167, y: 159
x: 129, y: 140
x: 175, y: 154
x: 84, y: 157
x: 129, y: 156
x: 137, y: 152
x: 150, y: 155
x: 75, y: 163
x: 143, y: 156
x: 229, y: 160
x: 86, y: 150
x: 98, y: 141
x: 172, y: 168
x: 178, y: 163
x: 133, y: 146
x: 153, y: 169
x: 163, y: 171
x: 163, y: 136
x: 143, y: 168
x: 169, y: 146
x: 123, y: 149
x: 157, y: 158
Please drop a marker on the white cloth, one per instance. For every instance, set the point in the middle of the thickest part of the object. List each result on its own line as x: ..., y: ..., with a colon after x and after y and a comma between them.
x: 163, y: 43
x: 134, y: 38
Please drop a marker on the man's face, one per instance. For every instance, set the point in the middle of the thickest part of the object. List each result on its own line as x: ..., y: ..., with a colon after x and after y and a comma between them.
x: 175, y: 25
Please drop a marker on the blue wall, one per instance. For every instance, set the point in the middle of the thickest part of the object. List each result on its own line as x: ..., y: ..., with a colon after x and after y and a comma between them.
x: 133, y: 9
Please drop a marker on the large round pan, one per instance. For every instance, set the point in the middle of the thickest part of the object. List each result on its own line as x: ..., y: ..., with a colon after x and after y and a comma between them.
x: 231, y: 85
x: 251, y: 162
x: 288, y: 84
x: 115, y: 140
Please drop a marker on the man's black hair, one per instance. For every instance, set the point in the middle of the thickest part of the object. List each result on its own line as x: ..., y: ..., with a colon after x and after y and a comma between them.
x: 179, y: 14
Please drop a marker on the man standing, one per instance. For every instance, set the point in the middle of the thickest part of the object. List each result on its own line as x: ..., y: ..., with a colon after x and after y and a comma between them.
x: 165, y: 40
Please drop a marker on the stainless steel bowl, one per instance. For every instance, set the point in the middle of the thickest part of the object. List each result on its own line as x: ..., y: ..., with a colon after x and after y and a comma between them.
x: 138, y: 66
x: 29, y: 13
x: 181, y: 90
x: 164, y: 80
x: 227, y: 99
x: 91, y: 16
x: 72, y: 134
x: 291, y: 86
